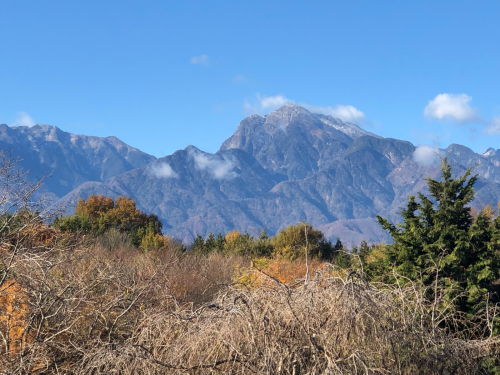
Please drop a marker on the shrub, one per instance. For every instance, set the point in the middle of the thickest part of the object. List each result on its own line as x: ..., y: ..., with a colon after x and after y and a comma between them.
x: 294, y: 241
x: 246, y: 245
x: 152, y: 241
x: 113, y: 239
x: 98, y: 214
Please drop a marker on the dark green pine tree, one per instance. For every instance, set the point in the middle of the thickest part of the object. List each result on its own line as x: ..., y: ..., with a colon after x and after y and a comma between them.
x: 438, y: 235
x: 198, y: 244
x: 210, y: 243
x: 220, y: 242
x: 340, y: 256
x: 263, y: 247
x: 364, y: 250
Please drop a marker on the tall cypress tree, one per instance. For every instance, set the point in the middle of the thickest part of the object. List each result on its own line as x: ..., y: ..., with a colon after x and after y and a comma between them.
x: 439, y: 235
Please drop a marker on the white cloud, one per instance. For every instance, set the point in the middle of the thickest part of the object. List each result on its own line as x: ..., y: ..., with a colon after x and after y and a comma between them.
x: 163, y: 170
x: 346, y: 113
x: 23, y: 119
x: 223, y: 169
x: 219, y: 168
x: 452, y: 107
x: 265, y: 104
x: 426, y: 155
x: 202, y: 161
x: 272, y: 102
x: 493, y: 127
x: 202, y: 59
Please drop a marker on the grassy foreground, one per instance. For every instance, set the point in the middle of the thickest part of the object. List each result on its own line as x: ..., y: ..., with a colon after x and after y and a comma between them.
x: 89, y: 310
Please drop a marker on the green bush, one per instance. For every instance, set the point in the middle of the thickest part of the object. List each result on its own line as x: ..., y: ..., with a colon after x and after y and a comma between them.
x: 293, y: 241
x: 440, y: 242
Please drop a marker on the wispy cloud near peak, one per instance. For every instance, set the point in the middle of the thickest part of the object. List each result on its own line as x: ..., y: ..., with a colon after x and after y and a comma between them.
x: 163, y: 170
x: 426, y: 155
x: 347, y: 113
x: 23, y: 119
x: 219, y: 167
x: 265, y: 104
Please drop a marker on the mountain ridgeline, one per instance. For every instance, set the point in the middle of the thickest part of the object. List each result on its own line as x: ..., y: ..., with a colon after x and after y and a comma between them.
x: 275, y: 170
x: 71, y: 159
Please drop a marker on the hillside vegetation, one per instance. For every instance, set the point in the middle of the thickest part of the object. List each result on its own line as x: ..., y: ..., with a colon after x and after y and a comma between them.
x: 104, y: 292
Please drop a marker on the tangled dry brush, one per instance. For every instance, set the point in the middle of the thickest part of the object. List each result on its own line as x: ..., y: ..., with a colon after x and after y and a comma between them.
x: 329, y: 325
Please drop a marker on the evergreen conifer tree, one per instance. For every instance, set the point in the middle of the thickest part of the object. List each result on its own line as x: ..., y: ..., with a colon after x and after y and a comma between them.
x: 198, y: 244
x: 210, y: 243
x: 220, y: 242
x: 439, y: 238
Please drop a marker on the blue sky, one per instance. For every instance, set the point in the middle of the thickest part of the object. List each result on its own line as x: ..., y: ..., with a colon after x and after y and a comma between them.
x: 161, y: 75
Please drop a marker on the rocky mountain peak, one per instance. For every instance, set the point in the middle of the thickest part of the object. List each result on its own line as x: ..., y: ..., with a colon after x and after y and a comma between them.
x: 459, y: 149
x: 284, y: 116
x: 352, y: 130
x: 288, y: 110
x: 40, y: 128
x: 192, y: 148
x: 489, y: 152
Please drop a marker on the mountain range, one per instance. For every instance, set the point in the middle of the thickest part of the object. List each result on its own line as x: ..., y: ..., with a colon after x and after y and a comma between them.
x: 278, y: 169
x: 69, y: 159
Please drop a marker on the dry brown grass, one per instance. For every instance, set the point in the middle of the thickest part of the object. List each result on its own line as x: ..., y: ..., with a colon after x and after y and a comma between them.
x: 89, y: 310
x: 327, y: 326
x: 194, y: 278
x: 96, y: 311
x: 59, y: 305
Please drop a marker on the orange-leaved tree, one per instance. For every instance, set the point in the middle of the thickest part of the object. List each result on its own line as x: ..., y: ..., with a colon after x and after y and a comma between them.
x: 99, y: 214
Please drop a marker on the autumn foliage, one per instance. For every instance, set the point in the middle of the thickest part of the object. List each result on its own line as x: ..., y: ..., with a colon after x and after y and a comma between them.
x: 264, y: 272
x: 13, y: 318
x: 99, y: 214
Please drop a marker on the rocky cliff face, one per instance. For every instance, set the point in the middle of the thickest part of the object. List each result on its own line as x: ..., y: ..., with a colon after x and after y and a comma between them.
x: 293, y: 141
x: 492, y: 156
x: 288, y: 166
x: 69, y: 159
